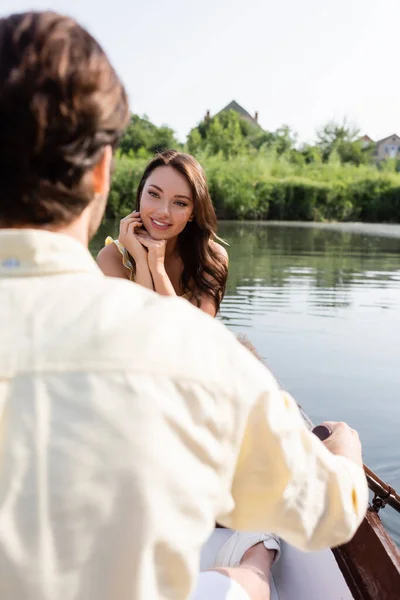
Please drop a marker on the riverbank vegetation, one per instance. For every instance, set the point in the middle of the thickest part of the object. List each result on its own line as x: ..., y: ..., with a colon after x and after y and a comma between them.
x: 254, y: 174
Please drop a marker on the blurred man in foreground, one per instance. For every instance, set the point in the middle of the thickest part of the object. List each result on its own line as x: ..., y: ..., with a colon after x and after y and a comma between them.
x: 129, y: 422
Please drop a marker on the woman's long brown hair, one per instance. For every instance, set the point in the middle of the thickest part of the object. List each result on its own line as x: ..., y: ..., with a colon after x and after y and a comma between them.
x: 204, y: 270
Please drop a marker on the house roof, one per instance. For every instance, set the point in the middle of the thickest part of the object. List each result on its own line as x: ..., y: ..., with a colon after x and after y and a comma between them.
x: 366, y: 138
x: 389, y: 138
x: 241, y: 112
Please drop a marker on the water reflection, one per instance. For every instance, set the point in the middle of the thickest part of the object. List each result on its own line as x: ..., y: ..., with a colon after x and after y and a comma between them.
x: 296, y: 269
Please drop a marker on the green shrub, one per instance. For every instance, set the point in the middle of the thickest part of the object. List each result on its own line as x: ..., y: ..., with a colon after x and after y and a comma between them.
x: 126, y: 177
x: 377, y: 199
x: 263, y: 185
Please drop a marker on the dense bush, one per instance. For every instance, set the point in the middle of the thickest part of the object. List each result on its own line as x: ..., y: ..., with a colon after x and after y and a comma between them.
x: 267, y: 184
x: 126, y: 177
x: 272, y: 187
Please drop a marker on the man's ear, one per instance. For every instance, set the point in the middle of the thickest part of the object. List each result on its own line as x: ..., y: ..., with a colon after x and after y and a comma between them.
x: 101, y: 173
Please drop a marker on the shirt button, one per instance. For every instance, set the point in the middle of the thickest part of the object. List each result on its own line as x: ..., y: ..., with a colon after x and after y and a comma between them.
x: 10, y: 263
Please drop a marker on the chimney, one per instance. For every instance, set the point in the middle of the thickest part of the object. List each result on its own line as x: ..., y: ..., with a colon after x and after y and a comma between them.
x: 207, y: 117
x: 256, y: 116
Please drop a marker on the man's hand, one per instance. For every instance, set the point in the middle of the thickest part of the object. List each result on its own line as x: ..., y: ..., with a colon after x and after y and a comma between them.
x: 344, y: 441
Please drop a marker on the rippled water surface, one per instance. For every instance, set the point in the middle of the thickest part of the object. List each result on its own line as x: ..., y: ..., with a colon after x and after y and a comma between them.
x: 322, y: 306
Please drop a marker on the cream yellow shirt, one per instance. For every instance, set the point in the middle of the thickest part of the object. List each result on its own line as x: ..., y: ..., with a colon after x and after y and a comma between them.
x: 129, y: 423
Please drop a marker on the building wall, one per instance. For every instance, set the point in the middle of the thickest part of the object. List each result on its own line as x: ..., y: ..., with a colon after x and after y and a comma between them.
x: 388, y: 148
x: 366, y: 141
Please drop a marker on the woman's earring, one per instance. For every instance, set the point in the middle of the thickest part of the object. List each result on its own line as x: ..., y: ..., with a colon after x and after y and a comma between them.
x: 191, y: 219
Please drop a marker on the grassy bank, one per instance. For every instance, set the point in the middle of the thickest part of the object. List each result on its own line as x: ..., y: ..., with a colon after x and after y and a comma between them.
x: 265, y: 186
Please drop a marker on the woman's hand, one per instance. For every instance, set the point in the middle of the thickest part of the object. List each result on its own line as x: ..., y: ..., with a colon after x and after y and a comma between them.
x: 155, y: 252
x: 128, y: 228
x: 155, y: 260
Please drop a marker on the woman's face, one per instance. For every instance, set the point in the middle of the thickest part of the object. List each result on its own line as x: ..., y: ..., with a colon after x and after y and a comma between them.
x: 166, y: 204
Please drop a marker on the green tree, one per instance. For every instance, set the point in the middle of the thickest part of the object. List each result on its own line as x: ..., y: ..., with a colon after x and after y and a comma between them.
x: 284, y: 139
x: 312, y: 154
x: 263, y: 139
x: 355, y: 153
x: 163, y: 139
x: 229, y: 117
x: 137, y: 135
x: 344, y: 139
x: 225, y: 135
x: 333, y: 134
x: 142, y: 133
x: 195, y: 142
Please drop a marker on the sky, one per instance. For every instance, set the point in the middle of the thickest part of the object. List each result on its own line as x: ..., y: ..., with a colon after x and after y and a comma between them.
x: 296, y: 62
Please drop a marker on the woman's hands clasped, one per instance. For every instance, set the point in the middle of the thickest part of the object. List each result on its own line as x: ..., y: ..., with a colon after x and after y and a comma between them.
x: 140, y: 245
x: 155, y: 252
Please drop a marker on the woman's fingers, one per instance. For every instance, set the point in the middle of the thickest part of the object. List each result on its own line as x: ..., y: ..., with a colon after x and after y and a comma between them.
x: 143, y: 240
x: 148, y: 241
x: 155, y: 246
x: 131, y: 227
x: 142, y: 233
x: 132, y: 216
x: 129, y: 221
x: 135, y: 214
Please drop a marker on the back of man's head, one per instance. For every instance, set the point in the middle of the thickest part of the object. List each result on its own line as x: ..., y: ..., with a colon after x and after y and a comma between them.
x: 61, y: 104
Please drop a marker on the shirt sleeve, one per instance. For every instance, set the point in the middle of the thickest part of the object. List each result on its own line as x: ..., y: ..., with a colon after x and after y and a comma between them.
x: 287, y: 482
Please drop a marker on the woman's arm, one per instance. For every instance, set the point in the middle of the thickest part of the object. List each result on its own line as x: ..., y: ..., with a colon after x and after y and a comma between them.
x: 162, y: 283
x: 155, y: 259
x: 110, y: 262
x: 143, y: 276
x: 128, y: 228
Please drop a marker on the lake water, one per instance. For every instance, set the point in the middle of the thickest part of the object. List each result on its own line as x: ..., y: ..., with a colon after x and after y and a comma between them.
x: 321, y: 303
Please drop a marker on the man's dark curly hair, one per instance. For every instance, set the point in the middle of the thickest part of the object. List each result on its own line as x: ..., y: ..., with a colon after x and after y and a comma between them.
x: 61, y: 103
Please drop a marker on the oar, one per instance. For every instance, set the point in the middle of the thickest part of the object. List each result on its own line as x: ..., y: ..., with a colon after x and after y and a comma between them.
x: 384, y: 493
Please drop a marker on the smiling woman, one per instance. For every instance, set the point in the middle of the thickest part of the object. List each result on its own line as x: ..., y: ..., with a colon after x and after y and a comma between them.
x: 168, y: 244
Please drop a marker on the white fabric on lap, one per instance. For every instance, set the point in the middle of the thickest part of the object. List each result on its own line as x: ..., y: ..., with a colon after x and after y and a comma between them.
x: 308, y: 576
x: 233, y: 551
x: 297, y: 575
x: 215, y: 586
x: 212, y: 546
x: 226, y: 548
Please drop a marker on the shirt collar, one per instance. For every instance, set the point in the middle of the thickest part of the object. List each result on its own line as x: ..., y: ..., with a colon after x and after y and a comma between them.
x: 35, y: 252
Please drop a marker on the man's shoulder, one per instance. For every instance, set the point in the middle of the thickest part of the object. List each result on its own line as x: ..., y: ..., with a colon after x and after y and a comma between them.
x: 117, y: 325
x: 123, y: 323
x: 166, y: 312
x: 132, y: 299
x: 170, y: 335
x: 164, y: 329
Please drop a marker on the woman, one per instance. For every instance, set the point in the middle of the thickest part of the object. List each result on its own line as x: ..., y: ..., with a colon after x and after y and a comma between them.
x: 168, y: 244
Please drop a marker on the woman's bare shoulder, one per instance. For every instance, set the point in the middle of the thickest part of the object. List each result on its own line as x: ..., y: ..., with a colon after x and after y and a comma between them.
x: 109, y: 252
x: 109, y: 260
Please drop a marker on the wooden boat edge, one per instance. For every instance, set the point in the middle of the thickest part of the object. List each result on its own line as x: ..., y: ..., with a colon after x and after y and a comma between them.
x: 370, y: 562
